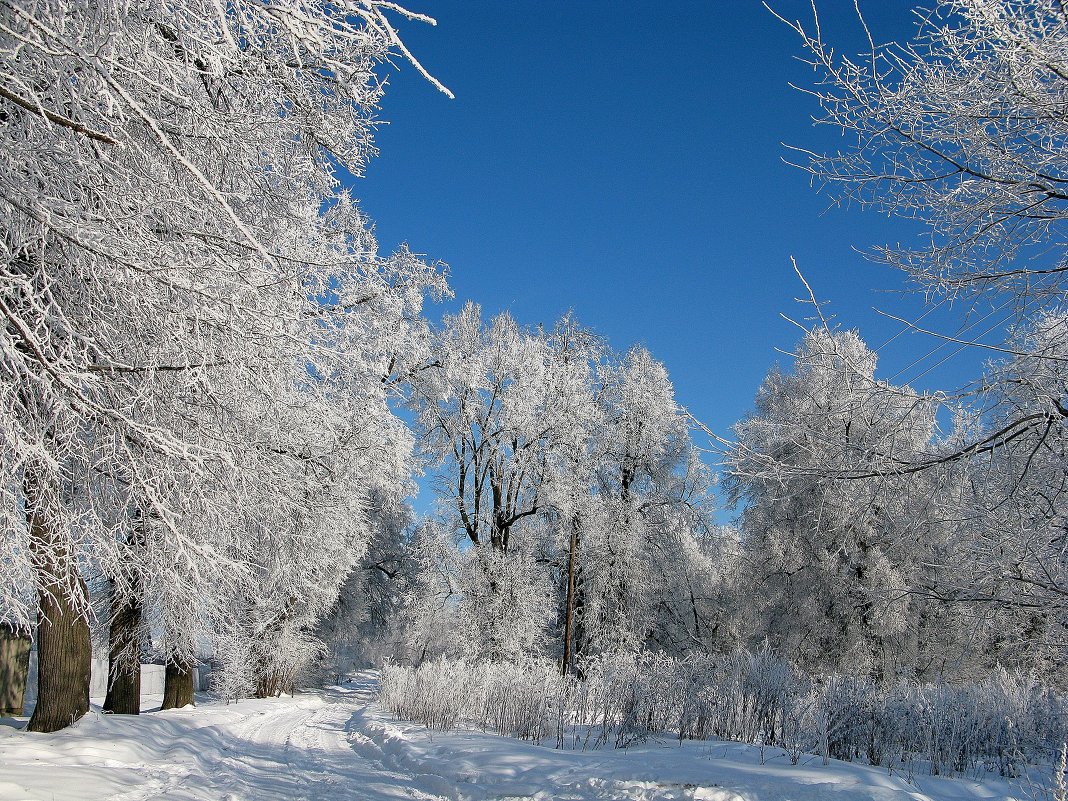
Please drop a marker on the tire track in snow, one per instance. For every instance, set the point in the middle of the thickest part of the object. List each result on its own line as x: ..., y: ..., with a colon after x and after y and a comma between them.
x: 297, y: 752
x: 258, y: 750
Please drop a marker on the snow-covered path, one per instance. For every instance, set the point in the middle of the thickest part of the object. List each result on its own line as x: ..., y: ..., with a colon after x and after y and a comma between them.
x: 272, y: 749
x: 335, y: 745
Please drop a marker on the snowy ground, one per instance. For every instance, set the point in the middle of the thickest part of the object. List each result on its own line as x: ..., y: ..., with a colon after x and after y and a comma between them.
x: 336, y: 744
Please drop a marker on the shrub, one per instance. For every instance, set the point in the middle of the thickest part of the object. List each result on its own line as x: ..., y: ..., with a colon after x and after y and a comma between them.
x: 996, y: 725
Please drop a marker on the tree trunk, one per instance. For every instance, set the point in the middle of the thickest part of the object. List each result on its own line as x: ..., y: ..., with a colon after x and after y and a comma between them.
x: 267, y: 684
x: 178, y: 684
x: 14, y: 667
x: 569, y: 612
x: 124, y: 636
x: 696, y: 617
x: 64, y: 662
x: 64, y: 651
x: 580, y: 641
x: 124, y: 658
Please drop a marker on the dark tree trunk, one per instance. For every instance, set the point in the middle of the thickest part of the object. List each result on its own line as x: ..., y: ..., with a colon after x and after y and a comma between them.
x: 580, y: 640
x: 14, y: 668
x: 569, y: 612
x: 124, y: 636
x: 124, y: 658
x: 178, y: 686
x: 267, y: 685
x: 64, y: 651
x: 696, y: 617
x: 64, y: 662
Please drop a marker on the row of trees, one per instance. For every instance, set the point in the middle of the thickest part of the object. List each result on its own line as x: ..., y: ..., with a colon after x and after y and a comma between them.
x: 198, y: 334
x: 956, y: 536
x: 203, y: 357
x: 575, y: 516
x: 870, y: 539
x: 580, y: 504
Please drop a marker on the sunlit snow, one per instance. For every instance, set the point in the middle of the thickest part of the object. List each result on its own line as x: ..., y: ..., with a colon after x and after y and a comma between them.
x: 338, y: 744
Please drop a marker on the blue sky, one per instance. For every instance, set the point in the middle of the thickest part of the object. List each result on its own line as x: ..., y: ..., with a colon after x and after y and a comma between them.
x: 624, y: 160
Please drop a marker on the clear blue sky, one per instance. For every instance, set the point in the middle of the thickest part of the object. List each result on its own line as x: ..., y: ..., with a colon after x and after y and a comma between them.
x: 624, y: 160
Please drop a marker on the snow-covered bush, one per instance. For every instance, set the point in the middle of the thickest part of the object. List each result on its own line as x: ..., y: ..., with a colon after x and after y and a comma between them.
x: 434, y: 694
x: 970, y: 729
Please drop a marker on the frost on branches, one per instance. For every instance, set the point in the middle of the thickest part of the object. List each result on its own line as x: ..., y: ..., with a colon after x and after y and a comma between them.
x: 857, y: 562
x: 574, y: 507
x: 194, y: 311
x: 962, y: 129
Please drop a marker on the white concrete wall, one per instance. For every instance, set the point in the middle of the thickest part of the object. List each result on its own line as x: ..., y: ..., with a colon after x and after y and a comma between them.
x: 152, y: 679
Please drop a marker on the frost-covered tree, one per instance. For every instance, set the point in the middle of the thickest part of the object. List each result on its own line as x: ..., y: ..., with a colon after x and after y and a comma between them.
x: 429, y: 605
x: 961, y: 129
x: 649, y: 509
x: 320, y: 484
x: 497, y: 412
x: 833, y: 559
x: 174, y: 232
x: 1009, y: 531
x: 492, y: 413
x: 362, y: 627
x: 570, y: 480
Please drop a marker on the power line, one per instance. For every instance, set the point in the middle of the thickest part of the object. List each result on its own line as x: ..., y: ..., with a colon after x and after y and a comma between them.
x: 962, y: 330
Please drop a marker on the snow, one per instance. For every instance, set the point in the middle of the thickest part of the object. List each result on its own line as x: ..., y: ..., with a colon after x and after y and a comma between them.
x: 337, y: 744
